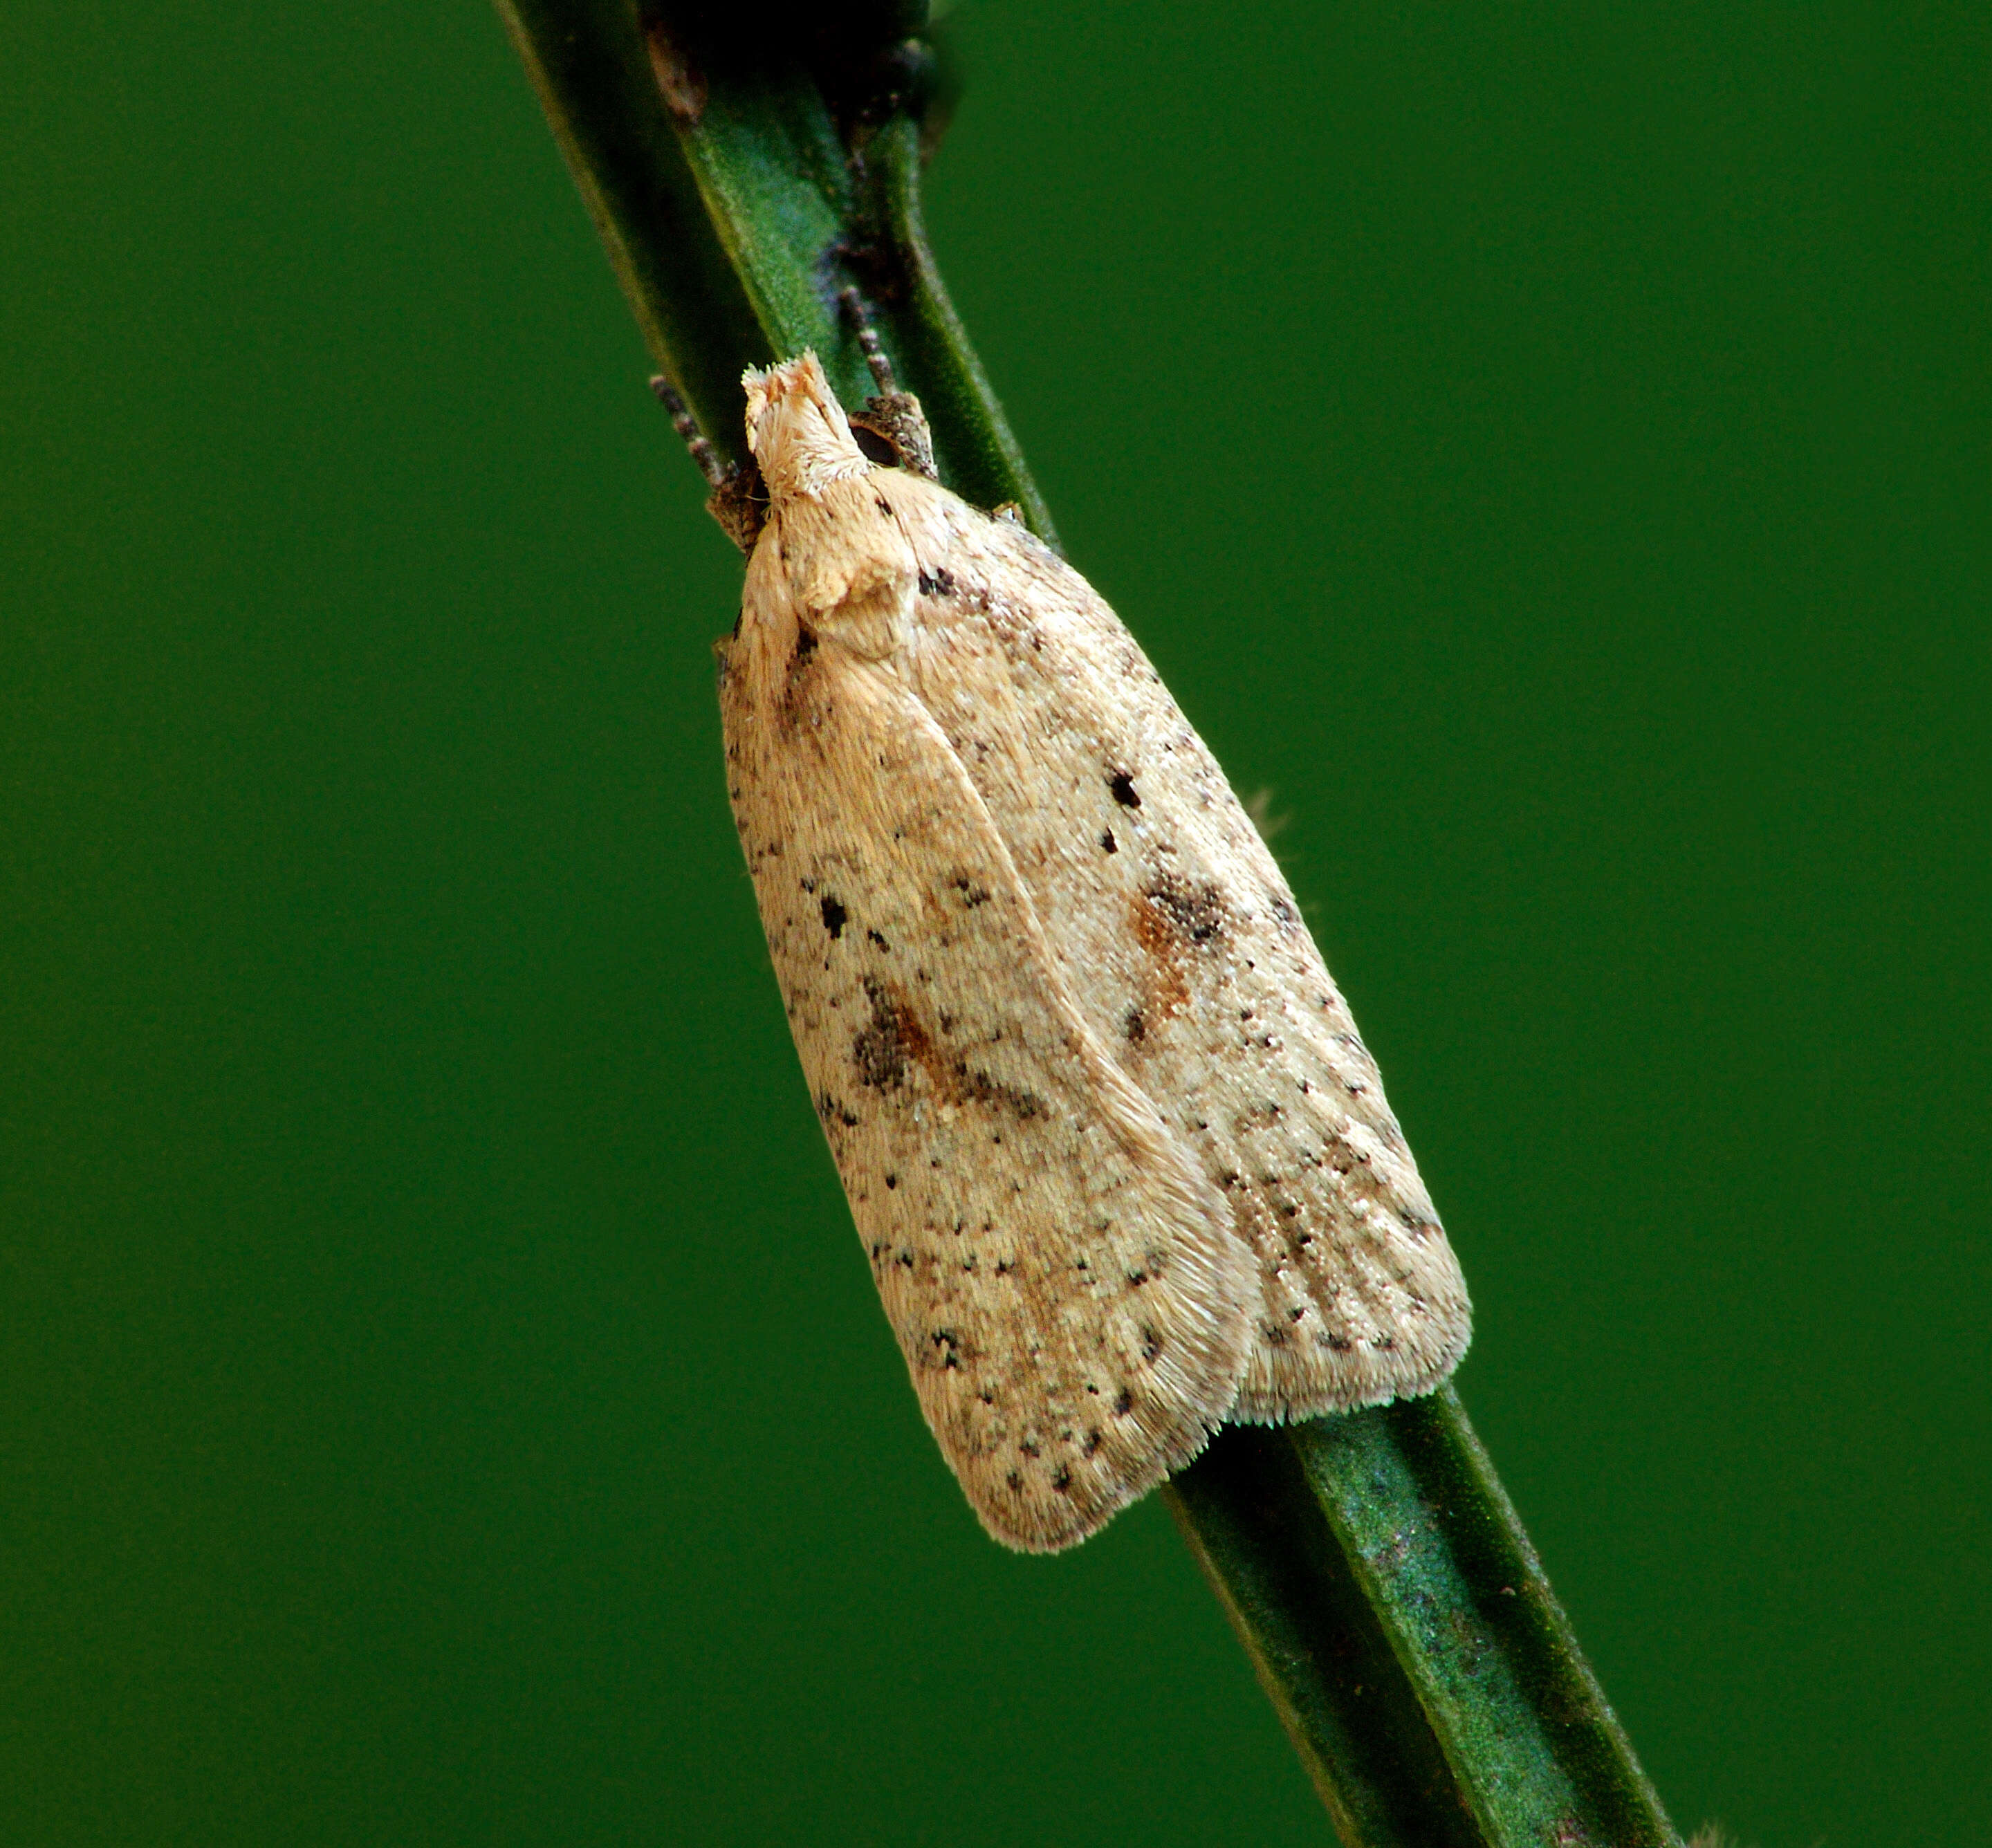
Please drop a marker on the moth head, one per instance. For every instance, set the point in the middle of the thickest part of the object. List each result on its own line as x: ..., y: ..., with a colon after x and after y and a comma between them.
x: 797, y: 430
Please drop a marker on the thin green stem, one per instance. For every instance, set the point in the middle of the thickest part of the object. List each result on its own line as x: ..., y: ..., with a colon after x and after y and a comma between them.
x: 1402, y: 1626
x: 1434, y: 1542
x: 1388, y: 1597
x: 1251, y: 1519
x: 588, y: 61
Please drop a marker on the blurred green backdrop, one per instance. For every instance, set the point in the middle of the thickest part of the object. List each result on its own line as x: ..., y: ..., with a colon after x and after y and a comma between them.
x: 442, y: 1399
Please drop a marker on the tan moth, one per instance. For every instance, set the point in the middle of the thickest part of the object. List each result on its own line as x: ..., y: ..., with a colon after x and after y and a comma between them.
x: 1122, y: 1167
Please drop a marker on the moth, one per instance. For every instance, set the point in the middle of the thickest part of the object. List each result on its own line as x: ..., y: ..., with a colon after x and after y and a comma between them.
x: 1122, y: 1166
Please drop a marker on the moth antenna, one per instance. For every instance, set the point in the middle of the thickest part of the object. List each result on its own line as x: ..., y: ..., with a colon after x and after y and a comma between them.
x: 894, y: 417
x: 739, y: 500
x: 695, y: 439
x: 853, y: 305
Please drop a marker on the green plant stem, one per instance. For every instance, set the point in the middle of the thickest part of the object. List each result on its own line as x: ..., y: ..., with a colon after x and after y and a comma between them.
x: 587, y: 62
x: 1452, y: 1620
x: 734, y: 220
x: 1384, y: 1590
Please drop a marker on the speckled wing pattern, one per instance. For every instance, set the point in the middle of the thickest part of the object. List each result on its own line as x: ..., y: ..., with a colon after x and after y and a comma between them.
x: 1062, y: 1278
x: 1122, y: 1165
x: 1188, y: 957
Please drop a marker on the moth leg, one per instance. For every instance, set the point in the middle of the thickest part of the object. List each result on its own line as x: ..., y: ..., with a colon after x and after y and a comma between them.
x: 739, y: 498
x: 892, y: 416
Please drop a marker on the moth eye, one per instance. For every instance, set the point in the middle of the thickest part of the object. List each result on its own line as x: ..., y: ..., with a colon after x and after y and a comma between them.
x: 875, y: 449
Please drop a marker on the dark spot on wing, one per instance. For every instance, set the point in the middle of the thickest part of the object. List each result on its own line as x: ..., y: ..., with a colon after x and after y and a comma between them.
x: 1122, y: 784
x: 1135, y: 1026
x: 883, y: 1050
x: 960, y: 1082
x: 833, y: 916
x: 880, y: 941
x: 880, y: 1050
x: 939, y: 582
x: 1196, y: 911
x: 831, y: 1111
x: 798, y: 676
x: 1107, y: 843
x: 972, y: 894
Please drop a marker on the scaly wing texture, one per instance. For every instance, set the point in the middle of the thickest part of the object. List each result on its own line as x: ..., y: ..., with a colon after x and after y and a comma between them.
x: 1187, y: 955
x: 1062, y: 1277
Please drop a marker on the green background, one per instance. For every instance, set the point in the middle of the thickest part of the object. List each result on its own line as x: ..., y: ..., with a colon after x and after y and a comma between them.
x: 442, y: 1399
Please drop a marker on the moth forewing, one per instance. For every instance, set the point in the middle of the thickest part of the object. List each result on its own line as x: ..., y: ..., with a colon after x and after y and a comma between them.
x: 1184, y: 949
x: 1061, y: 1274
